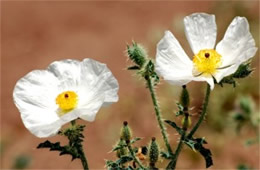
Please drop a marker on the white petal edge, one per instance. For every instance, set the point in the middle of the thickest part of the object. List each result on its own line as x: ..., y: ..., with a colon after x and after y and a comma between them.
x: 172, y: 63
x: 236, y: 47
x: 201, y: 31
x: 34, y: 95
x: 209, y: 80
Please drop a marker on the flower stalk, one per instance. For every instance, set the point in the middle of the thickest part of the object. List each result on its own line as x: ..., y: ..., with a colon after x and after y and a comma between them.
x: 83, y: 158
x: 134, y: 157
x: 173, y: 163
x: 184, y: 99
x: 146, y: 69
x: 204, y: 109
x: 158, y: 114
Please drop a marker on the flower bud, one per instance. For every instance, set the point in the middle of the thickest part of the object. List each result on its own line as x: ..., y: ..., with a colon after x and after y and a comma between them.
x: 137, y: 54
x: 126, y: 133
x: 122, y: 151
x: 153, y: 152
x: 185, y: 98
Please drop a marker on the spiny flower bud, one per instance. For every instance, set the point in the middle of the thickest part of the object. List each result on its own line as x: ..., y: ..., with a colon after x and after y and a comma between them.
x: 153, y: 152
x: 126, y: 133
x: 122, y: 151
x: 185, y: 98
x: 137, y: 54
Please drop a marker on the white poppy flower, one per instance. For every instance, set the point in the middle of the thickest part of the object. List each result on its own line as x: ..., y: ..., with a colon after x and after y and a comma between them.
x: 236, y: 47
x: 68, y: 89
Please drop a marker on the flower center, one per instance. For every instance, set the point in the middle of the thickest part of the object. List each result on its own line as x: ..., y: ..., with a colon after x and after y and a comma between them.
x: 206, y: 62
x: 67, y: 100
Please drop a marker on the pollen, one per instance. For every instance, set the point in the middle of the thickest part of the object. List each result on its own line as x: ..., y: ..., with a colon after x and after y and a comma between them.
x: 67, y: 100
x: 206, y: 62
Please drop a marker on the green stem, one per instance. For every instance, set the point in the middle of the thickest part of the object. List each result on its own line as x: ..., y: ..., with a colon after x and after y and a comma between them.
x: 204, y: 109
x: 133, y: 156
x: 83, y: 159
x: 81, y: 151
x: 172, y: 164
x: 158, y: 114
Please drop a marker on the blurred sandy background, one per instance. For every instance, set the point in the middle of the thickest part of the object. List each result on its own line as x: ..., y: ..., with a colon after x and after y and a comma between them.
x: 34, y: 34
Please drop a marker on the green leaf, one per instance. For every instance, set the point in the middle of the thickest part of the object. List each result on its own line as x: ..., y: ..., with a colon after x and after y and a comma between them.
x: 124, y: 159
x: 135, y: 140
x: 63, y: 149
x: 112, y: 165
x: 133, y: 68
x: 180, y: 109
x: 166, y: 155
x: 175, y: 126
x: 118, y: 147
x: 197, y: 145
x: 53, y: 146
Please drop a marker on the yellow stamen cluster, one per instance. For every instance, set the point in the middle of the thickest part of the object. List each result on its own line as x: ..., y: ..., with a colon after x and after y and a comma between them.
x: 206, y: 62
x: 67, y: 101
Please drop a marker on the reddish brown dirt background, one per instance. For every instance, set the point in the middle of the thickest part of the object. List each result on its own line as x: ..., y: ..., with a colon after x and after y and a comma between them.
x: 34, y: 34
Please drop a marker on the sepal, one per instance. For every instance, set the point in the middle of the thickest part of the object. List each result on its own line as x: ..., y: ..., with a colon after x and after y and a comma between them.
x: 243, y: 71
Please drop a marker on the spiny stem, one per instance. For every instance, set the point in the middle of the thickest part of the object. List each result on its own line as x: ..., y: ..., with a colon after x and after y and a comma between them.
x: 83, y: 158
x: 173, y: 163
x: 81, y: 151
x: 204, y: 109
x: 158, y: 114
x: 133, y: 155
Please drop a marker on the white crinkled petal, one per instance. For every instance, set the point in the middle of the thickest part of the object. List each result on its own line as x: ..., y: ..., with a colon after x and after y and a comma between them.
x: 98, y: 87
x: 34, y: 96
x: 100, y: 81
x: 236, y: 47
x: 67, y: 72
x: 201, y: 31
x: 172, y: 63
x: 89, y: 111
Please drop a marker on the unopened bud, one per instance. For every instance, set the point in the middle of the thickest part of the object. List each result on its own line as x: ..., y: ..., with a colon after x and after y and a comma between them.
x: 126, y: 133
x: 153, y: 152
x: 137, y: 54
x: 185, y: 98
